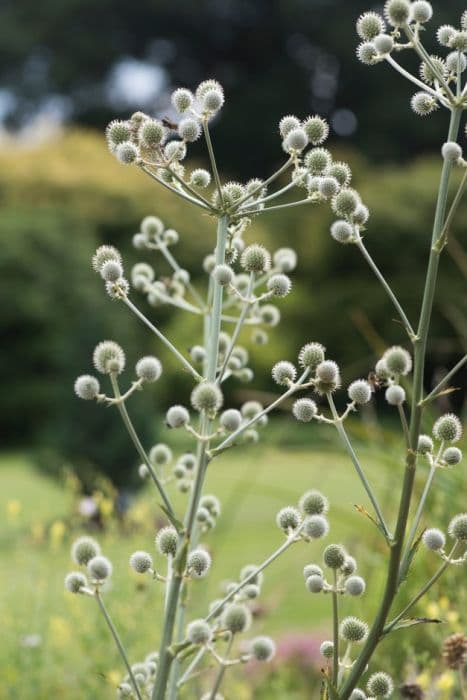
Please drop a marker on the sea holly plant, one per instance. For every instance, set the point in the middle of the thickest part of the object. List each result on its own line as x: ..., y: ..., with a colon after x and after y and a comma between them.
x: 244, y: 287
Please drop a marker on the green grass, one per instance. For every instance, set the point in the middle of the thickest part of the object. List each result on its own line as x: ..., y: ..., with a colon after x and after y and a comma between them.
x: 76, y: 655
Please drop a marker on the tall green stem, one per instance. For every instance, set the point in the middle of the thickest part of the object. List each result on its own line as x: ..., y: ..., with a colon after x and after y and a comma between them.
x: 420, y: 343
x: 335, y: 631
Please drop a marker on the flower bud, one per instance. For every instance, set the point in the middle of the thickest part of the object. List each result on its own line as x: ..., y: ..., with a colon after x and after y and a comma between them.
x: 304, y: 410
x: 367, y: 53
x: 152, y: 133
x: 342, y: 231
x: 230, y: 419
x: 100, y: 568
x: 361, y: 215
x: 182, y: 100
x: 311, y: 355
x: 287, y: 124
x: 369, y: 25
x: 422, y: 11
x: 200, y: 178
x: 198, y: 354
x: 262, y: 648
x: 284, y: 373
x: 269, y: 314
x: 345, y: 202
x: 177, y: 417
x: 223, y: 274
x: 349, y: 566
x: 327, y: 649
x: 166, y: 541
x: 317, y: 161
x: 111, y: 271
x: 395, y: 395
x: 126, y: 152
x: 279, y: 285
x: 451, y: 151
x: 353, y: 630
x: 87, y: 387
x: 359, y: 391
x: 189, y: 129
x: 149, y: 369
x: 104, y: 254
x: 448, y: 428
x: 423, y: 103
x: 314, y: 503
x: 198, y: 632
x: 425, y: 444
x: 160, y: 454
x: 434, y: 539
x: 452, y: 456
x: 255, y: 258
x: 117, y: 132
x: 397, y: 12
x: 445, y: 33
x: 236, y: 618
x: 316, y: 526
x: 199, y: 563
x: 141, y: 562
x: 334, y: 556
x: 458, y: 527
x: 456, y: 61
x: 109, y: 358
x: 207, y: 396
x: 355, y: 586
x: 398, y: 360
x: 383, y: 43
x: 212, y: 504
x: 213, y: 100
x: 285, y: 259
x: 288, y: 518
x: 84, y: 549
x: 380, y: 685
x: 315, y: 583
x: 75, y: 581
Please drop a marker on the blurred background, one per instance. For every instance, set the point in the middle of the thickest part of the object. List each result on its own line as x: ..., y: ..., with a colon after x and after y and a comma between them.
x: 66, y: 69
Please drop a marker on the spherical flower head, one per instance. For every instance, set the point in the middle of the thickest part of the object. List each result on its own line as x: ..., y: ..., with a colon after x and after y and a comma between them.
x: 345, y: 202
x: 198, y: 632
x: 349, y: 566
x: 104, y: 254
x: 280, y: 285
x: 397, y: 12
x: 421, y: 11
x: 269, y: 314
x: 141, y: 562
x: 152, y: 133
x: 342, y: 231
x: 87, y: 387
x: 458, y: 527
x: 109, y: 358
x: 311, y: 355
x: 360, y: 391
x: 75, y: 581
x: 223, y: 274
x: 189, y: 129
x: 231, y: 419
x: 381, y: 370
x: 357, y: 694
x: 314, y: 583
x: 355, y: 586
x: 380, y: 685
x: 341, y: 171
x: 328, y: 186
x: 182, y: 99
x: 451, y: 151
x: 367, y: 53
x: 99, y: 568
x: 117, y: 132
x: 124, y: 690
x: 177, y: 416
x: 111, y: 271
x: 251, y: 409
x: 199, y: 563
x: 459, y: 41
x: 316, y: 526
x: 445, y: 33
x: 166, y: 541
x: 304, y: 410
x: 126, y: 152
x: 452, y: 456
x: 434, y: 539
x: 383, y: 43
x: 213, y: 100
x: 250, y: 572
x: 236, y: 618
x: 448, y: 428
x: 288, y: 518
x: 170, y: 237
x: 198, y: 354
x: 328, y: 377
x: 422, y: 103
x: 148, y: 368
x: 118, y: 289
x: 317, y: 161
x: 151, y: 226
x: 284, y: 373
x: 398, y: 360
x: 206, y: 86
x: 84, y: 549
x: 334, y: 556
x: 327, y: 649
x: 456, y: 62
x: 174, y: 150
x: 287, y: 124
x: 369, y: 25
x: 200, y: 178
x: 314, y: 503
x: 262, y: 648
x: 429, y: 71
x: 316, y: 129
x: 160, y: 454
x: 425, y: 444
x: 285, y: 259
x: 207, y: 397
x: 212, y: 504
x: 395, y: 395
x: 353, y: 630
x: 311, y: 570
x: 255, y: 258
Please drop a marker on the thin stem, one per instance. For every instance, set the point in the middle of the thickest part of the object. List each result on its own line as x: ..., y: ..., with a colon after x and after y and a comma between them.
x: 426, y: 58
x: 267, y: 182
x: 386, y: 287
x: 176, y: 267
x: 189, y: 670
x: 405, y: 427
x: 443, y: 239
x: 274, y: 195
x: 173, y: 189
x: 240, y: 321
x: 222, y: 230
x: 412, y: 78
x: 139, y: 447
x: 212, y: 159
x: 163, y: 338
x: 335, y: 631
x: 433, y: 394
x: 355, y: 461
x: 118, y: 642
x: 308, y: 200
x: 190, y: 189
x: 221, y: 672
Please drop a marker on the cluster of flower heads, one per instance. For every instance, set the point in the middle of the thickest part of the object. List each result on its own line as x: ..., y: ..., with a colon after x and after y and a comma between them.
x: 307, y: 521
x: 86, y: 553
x: 344, y: 566
x: 382, y: 37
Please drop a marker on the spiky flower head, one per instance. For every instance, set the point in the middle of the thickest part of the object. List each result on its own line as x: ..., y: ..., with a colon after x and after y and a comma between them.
x: 75, y: 581
x: 223, y: 274
x: 316, y: 129
x: 459, y: 41
x: 177, y: 416
x: 230, y: 419
x: 383, y: 43
x: 284, y: 373
x: 152, y: 133
x: 262, y: 648
x: 166, y: 541
x: 349, y: 566
x: 398, y: 360
x: 160, y: 454
x: 250, y: 572
x: 451, y: 151
x: 327, y: 649
x: 255, y: 258
x: 111, y: 271
x: 312, y: 569
x: 199, y: 562
x: 311, y: 355
x: 288, y: 518
x: 452, y: 456
x: 285, y: 259
x: 429, y: 71
x: 328, y: 377
x: 353, y: 630
x: 334, y: 556
x: 314, y: 583
x: 345, y: 202
x: 448, y: 428
x: 189, y: 129
x: 369, y: 25
x: 341, y: 171
x: 423, y: 103
x: 287, y: 124
x: 304, y: 410
x: 380, y: 685
x: 117, y: 132
x: 318, y: 160
x: 206, y: 86
x: 84, y: 549
x: 295, y: 141
x: 109, y: 358
x: 425, y: 444
x: 395, y: 395
x: 421, y: 11
x: 342, y: 231
x: 182, y: 99
x: 456, y: 62
x: 124, y: 690
x: 141, y: 562
x: 213, y: 100
x: 397, y: 12
x: 236, y: 618
x: 198, y: 632
x: 207, y: 396
x: 280, y: 285
x: 458, y: 527
x: 148, y: 368
x: 314, y: 503
x: 87, y: 387
x: 433, y: 539
x: 174, y: 151
x: 316, y: 526
x: 455, y: 651
x: 328, y: 186
x: 445, y: 33
x: 355, y: 585
x: 269, y: 314
x: 126, y: 152
x: 200, y: 178
x: 357, y: 694
x: 104, y: 254
x: 367, y: 53
x: 99, y: 568
x: 360, y: 391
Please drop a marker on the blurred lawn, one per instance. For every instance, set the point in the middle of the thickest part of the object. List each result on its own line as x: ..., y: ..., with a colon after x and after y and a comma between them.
x: 75, y: 658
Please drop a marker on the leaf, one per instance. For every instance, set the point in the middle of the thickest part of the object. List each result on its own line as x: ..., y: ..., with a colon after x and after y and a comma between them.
x: 412, y: 621
x: 413, y: 550
x: 176, y: 523
x: 363, y: 511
